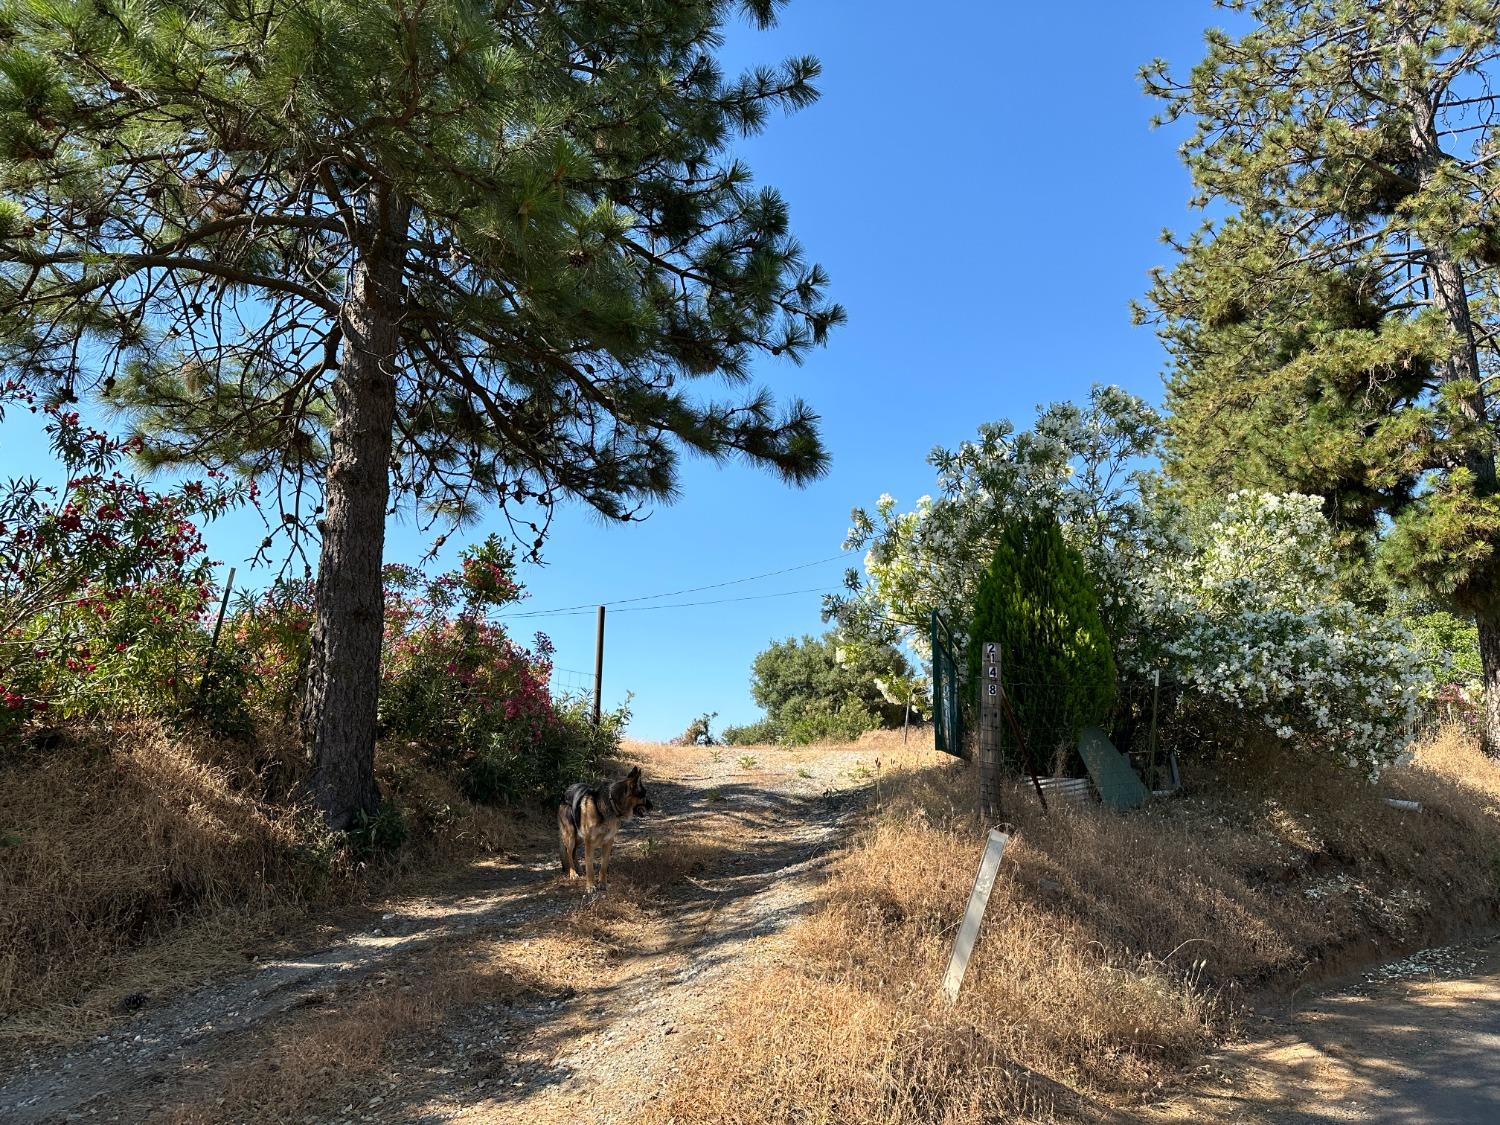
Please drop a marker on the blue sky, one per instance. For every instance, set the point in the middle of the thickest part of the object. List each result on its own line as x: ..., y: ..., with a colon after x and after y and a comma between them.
x: 984, y: 188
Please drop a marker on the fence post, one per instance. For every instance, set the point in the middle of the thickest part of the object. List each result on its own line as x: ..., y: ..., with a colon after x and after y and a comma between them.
x: 989, y: 731
x: 1154, y: 782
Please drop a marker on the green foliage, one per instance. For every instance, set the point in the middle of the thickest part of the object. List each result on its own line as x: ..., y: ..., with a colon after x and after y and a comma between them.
x: 1080, y: 463
x: 1037, y: 602
x: 270, y: 632
x: 1334, y: 334
x: 516, y: 767
x: 1449, y: 646
x: 804, y: 723
x: 105, y: 586
x: 807, y: 722
x: 382, y: 833
x: 198, y: 191
x: 699, y: 732
x: 758, y: 733
x: 817, y: 689
x: 1242, y: 612
x: 222, y: 699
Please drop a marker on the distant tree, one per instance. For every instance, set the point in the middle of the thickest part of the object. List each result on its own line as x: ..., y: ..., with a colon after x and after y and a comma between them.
x: 1337, y: 333
x: 699, y: 732
x: 1037, y: 601
x: 820, y: 687
x: 449, y: 255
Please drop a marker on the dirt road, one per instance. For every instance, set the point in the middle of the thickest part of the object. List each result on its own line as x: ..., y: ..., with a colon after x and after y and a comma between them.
x: 513, y: 997
x: 1416, y: 1042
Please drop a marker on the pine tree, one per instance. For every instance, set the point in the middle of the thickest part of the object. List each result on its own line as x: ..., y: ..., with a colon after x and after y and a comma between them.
x: 1037, y: 600
x: 445, y: 254
x: 1334, y: 335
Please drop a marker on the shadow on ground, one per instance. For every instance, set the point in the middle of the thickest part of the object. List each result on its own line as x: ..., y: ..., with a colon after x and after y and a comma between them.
x: 1419, y: 1052
x: 714, y: 849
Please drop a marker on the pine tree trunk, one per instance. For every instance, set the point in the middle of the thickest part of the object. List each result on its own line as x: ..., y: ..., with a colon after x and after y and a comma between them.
x: 344, y: 670
x: 1489, y: 656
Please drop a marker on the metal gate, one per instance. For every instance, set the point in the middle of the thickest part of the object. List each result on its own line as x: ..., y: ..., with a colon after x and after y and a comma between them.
x: 947, y: 688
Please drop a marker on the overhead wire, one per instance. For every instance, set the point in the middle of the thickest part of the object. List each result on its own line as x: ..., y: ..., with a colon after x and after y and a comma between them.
x: 577, y: 612
x: 589, y: 607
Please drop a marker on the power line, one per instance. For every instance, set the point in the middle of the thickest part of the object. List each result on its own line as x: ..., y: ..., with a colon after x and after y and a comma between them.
x: 590, y: 606
x: 683, y: 605
x: 725, y: 601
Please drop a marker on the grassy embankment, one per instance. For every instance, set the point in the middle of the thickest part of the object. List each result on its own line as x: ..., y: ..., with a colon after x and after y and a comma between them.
x: 1118, y: 948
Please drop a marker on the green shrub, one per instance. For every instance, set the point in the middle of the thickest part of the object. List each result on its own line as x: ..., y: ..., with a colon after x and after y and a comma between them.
x: 811, y: 723
x: 699, y: 732
x: 384, y: 833
x: 828, y: 674
x: 752, y: 734
x: 1037, y: 601
x: 270, y: 631
x: 513, y: 768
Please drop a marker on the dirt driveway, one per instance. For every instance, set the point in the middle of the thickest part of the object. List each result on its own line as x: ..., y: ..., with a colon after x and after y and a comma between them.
x: 1416, y: 1042
x: 513, y: 997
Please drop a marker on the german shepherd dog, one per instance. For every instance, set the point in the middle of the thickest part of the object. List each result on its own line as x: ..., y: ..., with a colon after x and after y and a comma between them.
x: 591, y: 815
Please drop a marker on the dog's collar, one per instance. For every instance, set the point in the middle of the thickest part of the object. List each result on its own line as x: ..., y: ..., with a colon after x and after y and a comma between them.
x: 609, y: 795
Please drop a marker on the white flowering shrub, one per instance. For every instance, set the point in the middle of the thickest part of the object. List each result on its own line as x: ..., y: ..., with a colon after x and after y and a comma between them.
x: 1243, y: 607
x: 1245, y: 612
x: 1079, y: 464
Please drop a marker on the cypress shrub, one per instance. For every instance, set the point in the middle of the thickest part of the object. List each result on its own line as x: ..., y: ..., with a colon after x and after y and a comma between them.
x: 1038, y: 601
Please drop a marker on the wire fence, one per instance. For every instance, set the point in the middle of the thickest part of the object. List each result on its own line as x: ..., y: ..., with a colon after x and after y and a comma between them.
x: 573, y: 683
x: 1048, y: 722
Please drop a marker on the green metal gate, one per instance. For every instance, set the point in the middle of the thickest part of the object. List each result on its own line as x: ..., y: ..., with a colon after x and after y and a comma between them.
x: 947, y: 686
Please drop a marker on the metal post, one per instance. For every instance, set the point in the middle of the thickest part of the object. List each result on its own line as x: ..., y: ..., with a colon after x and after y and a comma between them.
x: 906, y: 725
x: 213, y: 645
x: 989, y: 731
x: 1152, y: 784
x: 979, y: 898
x: 599, y: 666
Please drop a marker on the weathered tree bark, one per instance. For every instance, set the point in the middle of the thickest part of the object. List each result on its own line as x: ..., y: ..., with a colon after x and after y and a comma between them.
x: 1489, y: 656
x: 343, y: 683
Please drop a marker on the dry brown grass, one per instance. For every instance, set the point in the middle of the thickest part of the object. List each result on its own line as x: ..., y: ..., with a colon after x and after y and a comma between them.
x: 347, y: 1046
x: 1117, y: 949
x: 332, y: 1051
x: 137, y: 859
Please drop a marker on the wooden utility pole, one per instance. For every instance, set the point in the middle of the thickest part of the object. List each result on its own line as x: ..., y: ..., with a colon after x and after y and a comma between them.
x: 989, y: 731
x: 599, y: 666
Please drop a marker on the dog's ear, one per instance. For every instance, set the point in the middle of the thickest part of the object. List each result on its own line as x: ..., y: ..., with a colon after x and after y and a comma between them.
x: 634, y: 774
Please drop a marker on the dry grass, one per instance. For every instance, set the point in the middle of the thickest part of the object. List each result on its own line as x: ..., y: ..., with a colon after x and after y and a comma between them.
x: 353, y: 1043
x: 340, y: 1044
x: 1117, y: 949
x: 135, y: 859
